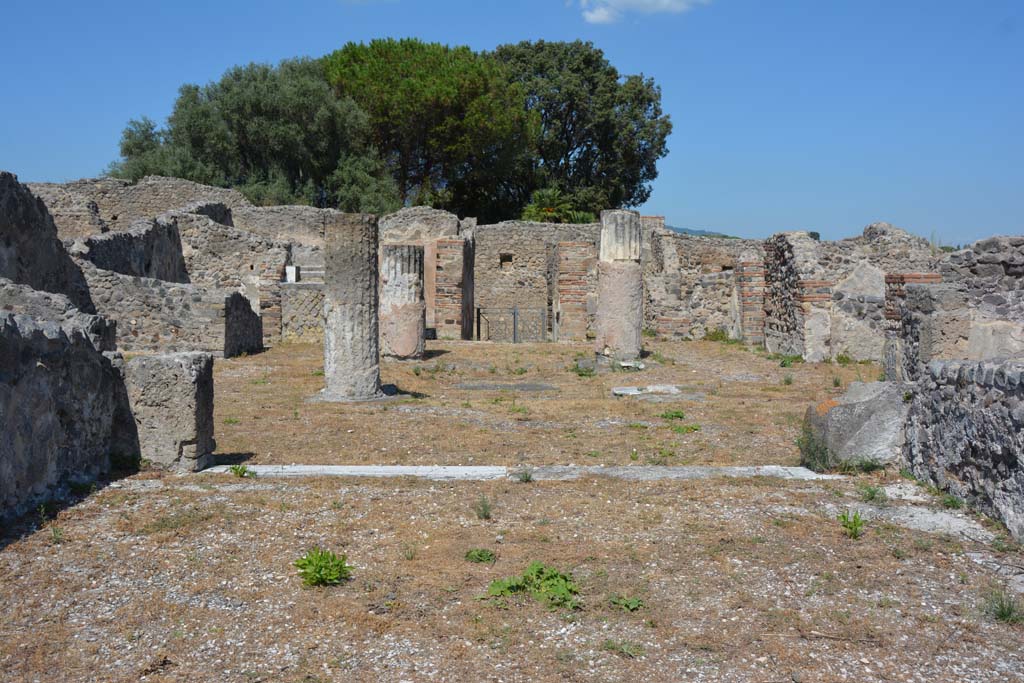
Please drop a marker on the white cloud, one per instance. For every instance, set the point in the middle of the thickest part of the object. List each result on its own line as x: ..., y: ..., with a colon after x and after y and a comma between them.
x: 611, y: 11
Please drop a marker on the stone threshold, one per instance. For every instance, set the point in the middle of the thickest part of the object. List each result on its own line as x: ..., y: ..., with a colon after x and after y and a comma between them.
x: 547, y: 473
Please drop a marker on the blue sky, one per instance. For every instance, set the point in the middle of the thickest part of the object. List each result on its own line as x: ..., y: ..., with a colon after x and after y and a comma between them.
x: 801, y: 114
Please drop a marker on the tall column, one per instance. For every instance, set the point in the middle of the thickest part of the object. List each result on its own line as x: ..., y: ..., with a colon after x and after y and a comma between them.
x: 351, y: 343
x: 402, y: 309
x: 620, y: 314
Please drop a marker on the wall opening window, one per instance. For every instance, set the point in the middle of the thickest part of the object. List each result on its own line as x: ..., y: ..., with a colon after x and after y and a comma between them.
x: 505, y: 260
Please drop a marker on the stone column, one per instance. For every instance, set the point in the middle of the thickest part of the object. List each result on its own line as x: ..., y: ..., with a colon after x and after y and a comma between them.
x: 620, y: 314
x: 402, y: 309
x: 351, y: 342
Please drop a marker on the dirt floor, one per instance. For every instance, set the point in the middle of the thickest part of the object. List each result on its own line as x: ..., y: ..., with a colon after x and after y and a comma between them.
x: 161, y: 577
x: 482, y: 404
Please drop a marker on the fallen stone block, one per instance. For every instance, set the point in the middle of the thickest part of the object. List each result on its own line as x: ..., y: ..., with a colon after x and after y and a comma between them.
x: 171, y: 400
x: 864, y: 425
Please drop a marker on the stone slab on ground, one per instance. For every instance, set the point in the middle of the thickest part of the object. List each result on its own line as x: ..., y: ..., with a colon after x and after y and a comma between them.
x: 497, y: 386
x: 550, y: 473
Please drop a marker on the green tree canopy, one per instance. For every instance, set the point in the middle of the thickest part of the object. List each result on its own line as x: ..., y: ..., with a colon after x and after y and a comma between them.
x: 600, y: 134
x: 449, y: 122
x: 279, y: 134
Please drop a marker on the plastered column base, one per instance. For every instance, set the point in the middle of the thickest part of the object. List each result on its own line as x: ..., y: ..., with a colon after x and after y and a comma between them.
x: 619, y: 321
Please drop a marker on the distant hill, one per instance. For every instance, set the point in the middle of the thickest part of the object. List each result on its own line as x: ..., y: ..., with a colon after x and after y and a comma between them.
x: 700, y: 233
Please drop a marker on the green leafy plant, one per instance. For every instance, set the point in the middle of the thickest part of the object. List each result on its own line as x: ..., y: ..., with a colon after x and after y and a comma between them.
x: 836, y: 382
x: 951, y: 502
x: 853, y: 525
x: 481, y: 556
x: 685, y: 429
x: 626, y: 604
x: 319, y: 567
x: 844, y: 359
x: 717, y: 335
x: 231, y: 420
x: 673, y: 415
x: 482, y: 508
x: 525, y: 475
x: 872, y: 494
x: 623, y: 648
x: 543, y: 583
x: 1002, y: 606
x: 649, y: 333
x: 787, y: 380
x: 242, y: 471
x: 583, y: 371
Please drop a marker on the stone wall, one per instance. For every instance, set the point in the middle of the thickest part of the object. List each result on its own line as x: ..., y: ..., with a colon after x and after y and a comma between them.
x: 418, y: 224
x: 149, y: 248
x: 59, y: 402
x: 690, y: 285
x: 576, y: 301
x: 302, y: 312
x: 119, y: 203
x: 57, y: 308
x: 153, y: 315
x: 965, y: 435
x: 516, y: 265
x: 217, y: 254
x: 30, y: 252
x: 798, y: 297
x: 825, y: 299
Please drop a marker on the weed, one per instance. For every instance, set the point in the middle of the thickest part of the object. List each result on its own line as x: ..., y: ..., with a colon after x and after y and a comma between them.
x: 863, y: 465
x: 659, y: 357
x: 900, y: 553
x: 409, y: 551
x: 623, y: 648
x: 813, y: 451
x: 844, y: 359
x: 908, y: 396
x: 626, y: 604
x: 242, y: 471
x: 320, y: 567
x: 636, y: 425
x: 481, y: 556
x: 525, y: 476
x: 417, y: 370
x: 673, y: 415
x: 649, y: 333
x: 482, y: 508
x: 582, y: 371
x: 318, y: 373
x: 787, y: 361
x: 519, y: 371
x: 836, y: 382
x: 594, y: 454
x: 634, y: 455
x: 56, y: 535
x: 853, y: 525
x: 872, y: 494
x: 519, y: 410
x: 787, y: 380
x: 718, y: 335
x: 231, y: 420
x: 542, y: 583
x: 951, y: 502
x: 1002, y: 606
x: 685, y: 429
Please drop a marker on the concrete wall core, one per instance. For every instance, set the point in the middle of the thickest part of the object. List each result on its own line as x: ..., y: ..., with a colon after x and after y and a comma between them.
x: 351, y: 342
x: 402, y: 308
x: 620, y: 315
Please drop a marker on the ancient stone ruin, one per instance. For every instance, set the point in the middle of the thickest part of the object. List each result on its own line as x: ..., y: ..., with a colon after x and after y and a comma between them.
x: 181, y: 274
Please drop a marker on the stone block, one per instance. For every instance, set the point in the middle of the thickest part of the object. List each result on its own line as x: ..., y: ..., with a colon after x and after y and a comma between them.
x: 866, y: 424
x: 171, y: 400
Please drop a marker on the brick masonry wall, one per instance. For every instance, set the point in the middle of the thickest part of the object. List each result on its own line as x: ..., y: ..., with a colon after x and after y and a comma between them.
x: 454, y: 287
x: 750, y: 288
x: 577, y: 290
